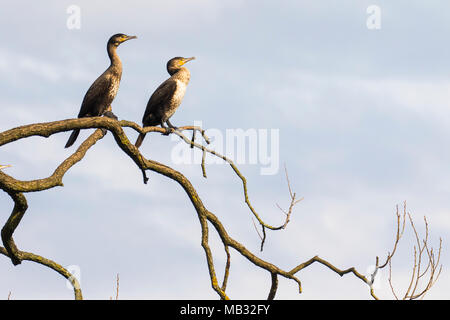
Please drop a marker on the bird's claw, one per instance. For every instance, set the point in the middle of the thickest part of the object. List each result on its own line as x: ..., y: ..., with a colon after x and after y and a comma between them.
x: 168, y: 131
x: 110, y: 115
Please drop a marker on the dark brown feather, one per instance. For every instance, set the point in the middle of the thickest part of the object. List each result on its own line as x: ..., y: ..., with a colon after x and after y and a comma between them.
x: 158, y: 102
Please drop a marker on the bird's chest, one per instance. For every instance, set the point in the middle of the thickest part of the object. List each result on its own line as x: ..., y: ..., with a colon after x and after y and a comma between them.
x: 176, y: 99
x: 179, y: 93
x: 113, y: 87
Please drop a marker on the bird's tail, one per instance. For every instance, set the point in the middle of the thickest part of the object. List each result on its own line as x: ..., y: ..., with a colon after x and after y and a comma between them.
x: 72, y: 138
x: 139, y: 140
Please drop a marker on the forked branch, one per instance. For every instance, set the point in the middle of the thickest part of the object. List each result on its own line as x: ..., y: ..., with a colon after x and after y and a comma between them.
x: 423, y: 256
x: 16, y: 188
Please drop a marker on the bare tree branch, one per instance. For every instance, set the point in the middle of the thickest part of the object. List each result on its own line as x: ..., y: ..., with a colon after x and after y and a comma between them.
x: 16, y: 188
x: 432, y: 264
x: 273, y: 287
x: 52, y: 265
x: 227, y: 269
x: 238, y: 173
x: 20, y: 206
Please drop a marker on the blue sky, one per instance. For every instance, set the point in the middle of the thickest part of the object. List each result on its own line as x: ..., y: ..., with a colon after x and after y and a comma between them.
x: 363, y: 118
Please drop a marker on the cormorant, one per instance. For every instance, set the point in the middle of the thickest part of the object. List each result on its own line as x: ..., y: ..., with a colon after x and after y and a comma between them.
x: 100, y: 95
x: 167, y: 97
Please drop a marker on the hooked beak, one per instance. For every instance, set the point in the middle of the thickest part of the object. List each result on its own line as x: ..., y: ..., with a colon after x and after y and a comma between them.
x: 2, y: 166
x: 189, y: 59
x: 129, y: 38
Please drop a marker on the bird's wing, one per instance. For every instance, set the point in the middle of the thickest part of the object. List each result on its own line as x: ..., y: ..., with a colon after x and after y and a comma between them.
x: 95, y: 96
x: 160, y: 98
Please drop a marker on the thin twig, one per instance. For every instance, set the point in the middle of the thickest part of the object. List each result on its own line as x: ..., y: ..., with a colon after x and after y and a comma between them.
x: 227, y: 269
x: 417, y: 275
x: 203, y: 163
x: 205, y: 216
x: 390, y: 280
x: 117, y: 287
x: 400, y: 230
x: 239, y: 174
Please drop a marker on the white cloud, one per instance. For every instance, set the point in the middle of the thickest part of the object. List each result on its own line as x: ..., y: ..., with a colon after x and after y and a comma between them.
x: 337, y: 130
x: 304, y: 99
x: 20, y: 65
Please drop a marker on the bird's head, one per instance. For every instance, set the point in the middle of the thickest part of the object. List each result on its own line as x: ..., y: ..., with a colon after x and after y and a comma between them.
x: 176, y: 63
x: 118, y: 38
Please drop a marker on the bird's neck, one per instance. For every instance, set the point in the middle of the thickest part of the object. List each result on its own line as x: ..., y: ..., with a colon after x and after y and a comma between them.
x: 116, y: 64
x: 182, y: 75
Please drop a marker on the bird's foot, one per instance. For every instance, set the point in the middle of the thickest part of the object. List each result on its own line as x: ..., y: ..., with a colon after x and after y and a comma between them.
x: 169, y: 129
x: 167, y: 132
x: 171, y: 125
x: 111, y: 115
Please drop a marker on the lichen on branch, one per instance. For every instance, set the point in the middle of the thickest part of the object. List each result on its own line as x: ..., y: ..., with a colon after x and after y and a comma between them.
x: 17, y: 190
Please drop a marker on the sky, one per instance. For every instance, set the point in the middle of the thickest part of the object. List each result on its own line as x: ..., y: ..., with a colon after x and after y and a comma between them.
x: 361, y: 117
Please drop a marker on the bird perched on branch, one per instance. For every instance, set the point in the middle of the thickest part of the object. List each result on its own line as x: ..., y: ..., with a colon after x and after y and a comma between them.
x: 100, y: 95
x: 167, y: 97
